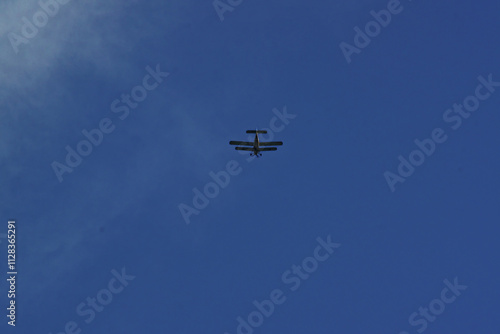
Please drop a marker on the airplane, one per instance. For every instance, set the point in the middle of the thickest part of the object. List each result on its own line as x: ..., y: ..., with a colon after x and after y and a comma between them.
x: 256, y: 145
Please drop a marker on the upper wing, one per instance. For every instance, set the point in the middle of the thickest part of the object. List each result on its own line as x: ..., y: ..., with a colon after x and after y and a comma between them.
x: 271, y: 143
x: 233, y: 142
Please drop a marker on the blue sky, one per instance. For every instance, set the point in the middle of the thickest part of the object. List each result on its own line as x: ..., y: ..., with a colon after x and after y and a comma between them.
x: 112, y: 229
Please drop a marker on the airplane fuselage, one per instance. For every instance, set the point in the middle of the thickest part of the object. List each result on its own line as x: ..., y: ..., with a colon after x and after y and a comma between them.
x: 256, y: 142
x: 256, y: 145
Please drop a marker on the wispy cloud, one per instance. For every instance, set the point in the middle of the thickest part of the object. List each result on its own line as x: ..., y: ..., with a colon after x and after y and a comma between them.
x: 93, y: 34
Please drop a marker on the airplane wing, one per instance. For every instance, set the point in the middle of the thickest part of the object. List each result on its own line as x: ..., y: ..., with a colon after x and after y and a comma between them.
x: 243, y: 148
x: 233, y: 142
x: 268, y: 149
x: 271, y: 143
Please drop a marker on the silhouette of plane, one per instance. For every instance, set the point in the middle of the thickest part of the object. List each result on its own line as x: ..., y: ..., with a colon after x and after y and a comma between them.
x: 256, y: 145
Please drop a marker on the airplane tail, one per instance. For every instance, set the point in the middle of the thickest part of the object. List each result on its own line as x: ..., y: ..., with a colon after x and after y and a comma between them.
x: 257, y: 131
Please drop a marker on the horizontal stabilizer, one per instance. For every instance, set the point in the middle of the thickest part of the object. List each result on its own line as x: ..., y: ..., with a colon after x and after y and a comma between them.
x: 271, y: 143
x: 233, y: 142
x: 243, y: 148
x: 256, y: 131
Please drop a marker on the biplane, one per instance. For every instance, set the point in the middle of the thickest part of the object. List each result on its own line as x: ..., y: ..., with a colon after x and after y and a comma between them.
x: 255, y: 146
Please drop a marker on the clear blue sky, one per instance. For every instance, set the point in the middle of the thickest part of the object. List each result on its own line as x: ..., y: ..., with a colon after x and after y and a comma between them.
x: 118, y: 209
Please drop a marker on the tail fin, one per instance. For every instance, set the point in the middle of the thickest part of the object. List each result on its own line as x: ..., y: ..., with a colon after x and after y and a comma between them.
x: 257, y: 131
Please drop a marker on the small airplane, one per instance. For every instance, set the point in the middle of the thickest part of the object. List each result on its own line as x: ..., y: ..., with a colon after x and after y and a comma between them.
x: 256, y: 145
